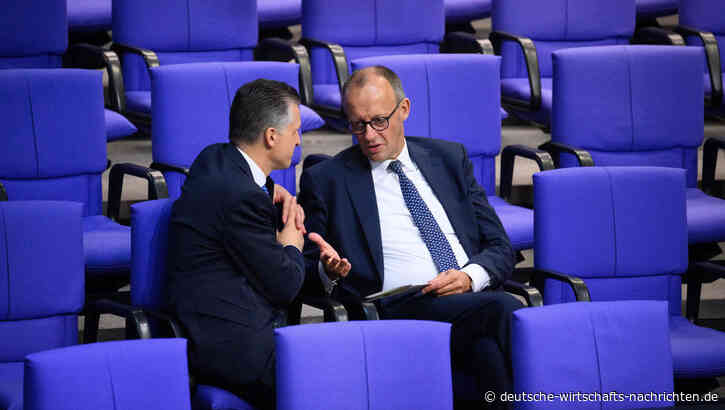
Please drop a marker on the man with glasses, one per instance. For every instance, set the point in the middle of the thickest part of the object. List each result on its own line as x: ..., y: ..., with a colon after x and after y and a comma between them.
x: 408, y: 211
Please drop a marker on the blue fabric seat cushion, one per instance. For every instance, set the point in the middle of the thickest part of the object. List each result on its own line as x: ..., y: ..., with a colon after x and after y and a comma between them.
x: 11, y: 386
x: 697, y: 352
x: 117, y: 126
x: 704, y: 223
x: 327, y: 95
x: 519, y: 88
x: 656, y: 8
x: 89, y: 15
x: 213, y: 398
x: 310, y: 120
x: 279, y: 13
x: 462, y: 11
x: 106, y: 245
x: 138, y: 101
x: 518, y: 222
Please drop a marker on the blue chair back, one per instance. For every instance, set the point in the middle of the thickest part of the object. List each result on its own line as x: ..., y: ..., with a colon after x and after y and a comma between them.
x: 42, y: 274
x: 42, y: 283
x: 364, y: 365
x: 54, y: 136
x: 455, y: 97
x: 649, y: 9
x: 150, y: 238
x: 621, y: 347
x: 559, y: 24
x: 636, y: 105
x: 34, y: 34
x: 187, y: 119
x: 149, y: 244
x: 367, y: 28
x: 111, y: 375
x: 622, y: 229
x: 89, y: 15
x: 183, y: 31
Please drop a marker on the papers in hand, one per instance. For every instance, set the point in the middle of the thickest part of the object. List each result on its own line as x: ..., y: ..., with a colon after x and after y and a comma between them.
x: 405, y: 289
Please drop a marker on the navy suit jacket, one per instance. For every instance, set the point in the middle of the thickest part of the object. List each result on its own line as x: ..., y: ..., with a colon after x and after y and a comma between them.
x: 230, y: 281
x: 339, y: 201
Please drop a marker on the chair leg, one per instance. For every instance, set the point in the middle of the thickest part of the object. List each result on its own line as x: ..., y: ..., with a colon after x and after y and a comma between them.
x: 90, y: 326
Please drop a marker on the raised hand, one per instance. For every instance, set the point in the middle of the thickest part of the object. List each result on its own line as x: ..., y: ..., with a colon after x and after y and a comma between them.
x: 334, y: 265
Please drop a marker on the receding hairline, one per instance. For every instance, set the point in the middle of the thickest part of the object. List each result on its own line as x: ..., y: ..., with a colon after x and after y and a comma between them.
x: 360, y: 78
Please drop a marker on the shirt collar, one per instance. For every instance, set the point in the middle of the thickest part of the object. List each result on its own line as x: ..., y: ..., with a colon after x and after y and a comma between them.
x: 403, y: 157
x: 257, y: 173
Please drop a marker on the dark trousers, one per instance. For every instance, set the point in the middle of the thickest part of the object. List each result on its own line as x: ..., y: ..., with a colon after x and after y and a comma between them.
x: 480, y: 336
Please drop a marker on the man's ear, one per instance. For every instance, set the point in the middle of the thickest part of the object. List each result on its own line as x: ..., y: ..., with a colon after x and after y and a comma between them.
x: 270, y: 137
x: 404, y: 108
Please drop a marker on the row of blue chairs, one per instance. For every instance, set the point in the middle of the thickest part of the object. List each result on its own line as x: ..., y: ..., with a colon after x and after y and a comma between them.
x: 638, y: 240
x: 95, y: 15
x: 526, y: 42
x: 336, y: 34
x: 631, y: 130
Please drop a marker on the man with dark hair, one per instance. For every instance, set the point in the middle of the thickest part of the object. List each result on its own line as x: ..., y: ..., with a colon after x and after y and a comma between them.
x: 408, y: 211
x: 232, y: 268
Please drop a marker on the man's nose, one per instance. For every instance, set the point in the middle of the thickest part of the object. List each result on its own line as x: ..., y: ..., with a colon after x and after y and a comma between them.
x: 369, y: 132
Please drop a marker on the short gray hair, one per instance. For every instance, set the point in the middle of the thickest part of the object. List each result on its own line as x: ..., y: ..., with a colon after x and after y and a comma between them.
x: 259, y: 105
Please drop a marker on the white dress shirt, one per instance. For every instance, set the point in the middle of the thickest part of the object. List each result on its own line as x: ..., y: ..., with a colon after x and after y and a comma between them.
x: 257, y: 173
x: 406, y: 259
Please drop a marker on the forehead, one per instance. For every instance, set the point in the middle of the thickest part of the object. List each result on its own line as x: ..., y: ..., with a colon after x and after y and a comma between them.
x: 373, y: 99
x: 294, y: 113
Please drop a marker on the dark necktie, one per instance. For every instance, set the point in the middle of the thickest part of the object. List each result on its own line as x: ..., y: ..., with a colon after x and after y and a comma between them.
x: 433, y: 237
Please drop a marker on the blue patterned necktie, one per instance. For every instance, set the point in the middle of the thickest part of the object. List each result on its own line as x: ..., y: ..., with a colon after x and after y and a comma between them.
x: 433, y: 237
x: 264, y: 188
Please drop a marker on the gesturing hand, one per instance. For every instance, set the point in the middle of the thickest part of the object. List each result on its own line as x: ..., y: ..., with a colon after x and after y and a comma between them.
x: 449, y: 282
x: 334, y: 265
x: 289, y: 207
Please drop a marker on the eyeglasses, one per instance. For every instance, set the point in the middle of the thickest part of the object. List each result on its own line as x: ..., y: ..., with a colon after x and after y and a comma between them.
x: 377, y: 123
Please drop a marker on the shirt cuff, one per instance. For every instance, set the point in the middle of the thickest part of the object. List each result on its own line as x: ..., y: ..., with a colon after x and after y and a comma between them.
x: 479, y: 277
x: 326, y: 281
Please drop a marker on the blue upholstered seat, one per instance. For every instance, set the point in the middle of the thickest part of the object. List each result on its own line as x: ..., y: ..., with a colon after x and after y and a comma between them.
x: 129, y: 375
x: 278, y: 13
x: 552, y: 25
x: 187, y: 119
x: 193, y: 31
x: 648, y: 9
x: 89, y: 15
x: 624, y: 231
x: 367, y: 29
x: 464, y: 11
x: 39, y: 40
x: 56, y: 149
x: 643, y: 107
x: 149, y: 230
x: 364, y: 365
x: 598, y: 347
x: 41, y: 277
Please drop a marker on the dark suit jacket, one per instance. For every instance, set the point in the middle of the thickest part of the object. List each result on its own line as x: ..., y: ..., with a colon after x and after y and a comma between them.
x: 339, y: 201
x: 230, y: 281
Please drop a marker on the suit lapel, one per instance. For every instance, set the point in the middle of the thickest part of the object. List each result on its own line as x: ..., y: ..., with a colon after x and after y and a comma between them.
x: 445, y: 188
x: 360, y: 188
